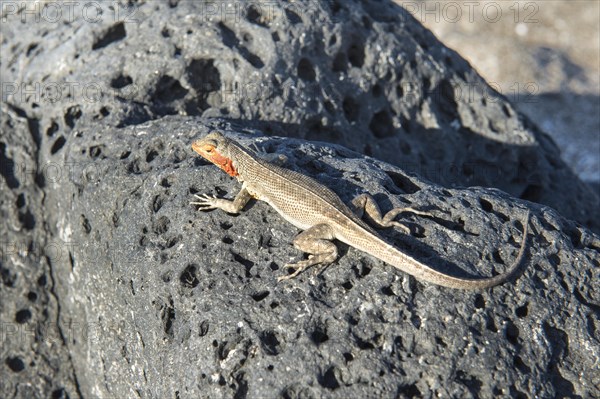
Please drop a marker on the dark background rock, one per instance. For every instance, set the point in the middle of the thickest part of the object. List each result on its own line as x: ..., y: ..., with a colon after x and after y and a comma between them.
x: 133, y: 305
x: 539, y: 55
x: 35, y: 360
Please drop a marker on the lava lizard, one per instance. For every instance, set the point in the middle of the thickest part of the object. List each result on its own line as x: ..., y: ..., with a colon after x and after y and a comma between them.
x: 321, y: 214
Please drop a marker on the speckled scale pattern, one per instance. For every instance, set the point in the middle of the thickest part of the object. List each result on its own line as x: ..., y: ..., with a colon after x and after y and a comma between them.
x: 319, y: 201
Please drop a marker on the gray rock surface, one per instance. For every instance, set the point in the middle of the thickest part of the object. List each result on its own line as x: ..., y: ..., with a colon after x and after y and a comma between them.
x: 189, y: 300
x: 113, y: 286
x: 183, y: 303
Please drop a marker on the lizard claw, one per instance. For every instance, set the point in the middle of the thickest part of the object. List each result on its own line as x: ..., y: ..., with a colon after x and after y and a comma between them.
x: 401, y: 226
x: 289, y: 266
x: 292, y: 275
x: 206, y: 202
x: 299, y: 266
x: 205, y: 197
x: 418, y: 212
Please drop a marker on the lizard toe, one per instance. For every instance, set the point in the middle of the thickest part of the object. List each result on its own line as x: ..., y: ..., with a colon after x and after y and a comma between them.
x: 401, y: 226
x: 203, y: 206
x: 205, y: 197
x: 299, y: 268
x: 290, y: 266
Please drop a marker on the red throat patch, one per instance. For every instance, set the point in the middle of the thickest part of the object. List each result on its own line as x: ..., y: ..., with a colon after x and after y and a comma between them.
x: 224, y: 163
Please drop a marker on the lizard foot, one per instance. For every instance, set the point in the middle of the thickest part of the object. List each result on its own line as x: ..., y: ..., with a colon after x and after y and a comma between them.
x: 400, y: 225
x: 314, y: 241
x: 364, y: 203
x: 206, y: 202
x: 394, y: 212
x: 388, y: 219
x: 299, y: 268
x: 321, y: 261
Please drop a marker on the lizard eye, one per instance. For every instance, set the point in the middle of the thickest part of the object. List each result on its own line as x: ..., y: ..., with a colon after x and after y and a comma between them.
x: 209, y: 149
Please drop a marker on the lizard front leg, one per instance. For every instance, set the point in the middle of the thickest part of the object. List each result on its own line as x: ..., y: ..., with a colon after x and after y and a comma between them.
x: 207, y: 202
x: 317, y: 242
x: 365, y: 203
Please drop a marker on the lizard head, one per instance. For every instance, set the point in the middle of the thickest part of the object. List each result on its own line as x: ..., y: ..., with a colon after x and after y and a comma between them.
x: 214, y: 147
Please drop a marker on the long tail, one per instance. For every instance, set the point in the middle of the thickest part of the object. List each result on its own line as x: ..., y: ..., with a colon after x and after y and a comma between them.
x: 421, y: 271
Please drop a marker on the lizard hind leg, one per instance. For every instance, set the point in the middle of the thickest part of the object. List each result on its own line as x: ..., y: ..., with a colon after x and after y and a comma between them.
x: 365, y: 203
x: 315, y: 241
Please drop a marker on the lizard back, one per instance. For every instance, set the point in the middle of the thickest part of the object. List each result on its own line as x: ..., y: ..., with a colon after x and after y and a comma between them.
x: 278, y: 187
